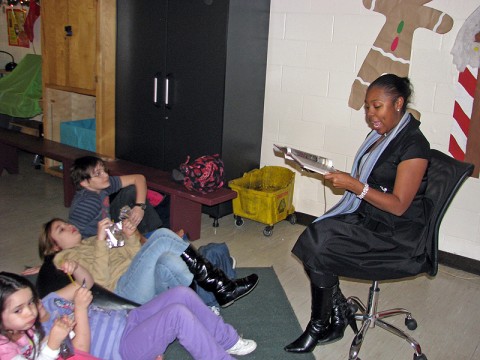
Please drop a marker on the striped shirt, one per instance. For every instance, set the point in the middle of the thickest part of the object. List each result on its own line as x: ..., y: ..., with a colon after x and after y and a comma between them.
x: 106, y: 326
x: 89, y: 207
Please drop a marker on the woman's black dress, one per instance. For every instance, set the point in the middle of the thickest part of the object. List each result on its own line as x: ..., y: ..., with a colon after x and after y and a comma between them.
x: 371, y: 243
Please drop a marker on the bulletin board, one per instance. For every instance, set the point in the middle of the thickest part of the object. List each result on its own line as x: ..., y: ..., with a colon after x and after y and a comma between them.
x: 16, y: 32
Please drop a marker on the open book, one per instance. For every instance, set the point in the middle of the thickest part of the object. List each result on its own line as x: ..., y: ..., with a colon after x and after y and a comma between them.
x: 306, y: 160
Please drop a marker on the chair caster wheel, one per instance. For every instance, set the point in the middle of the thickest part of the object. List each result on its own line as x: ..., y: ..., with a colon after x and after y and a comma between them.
x: 410, y: 323
x: 419, y: 357
x: 353, y: 307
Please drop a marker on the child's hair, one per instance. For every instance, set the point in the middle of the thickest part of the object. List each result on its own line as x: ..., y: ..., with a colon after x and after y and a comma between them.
x: 45, y: 242
x: 9, y: 284
x: 82, y: 169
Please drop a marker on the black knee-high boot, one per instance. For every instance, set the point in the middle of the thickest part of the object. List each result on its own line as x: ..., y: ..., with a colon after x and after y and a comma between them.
x: 317, y: 328
x: 342, y: 316
x: 213, y: 279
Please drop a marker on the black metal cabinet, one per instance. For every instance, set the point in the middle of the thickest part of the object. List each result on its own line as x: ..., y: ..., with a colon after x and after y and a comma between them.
x: 190, y: 80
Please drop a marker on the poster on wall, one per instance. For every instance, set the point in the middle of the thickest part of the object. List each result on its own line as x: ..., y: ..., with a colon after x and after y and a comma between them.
x: 16, y: 32
x: 392, y: 50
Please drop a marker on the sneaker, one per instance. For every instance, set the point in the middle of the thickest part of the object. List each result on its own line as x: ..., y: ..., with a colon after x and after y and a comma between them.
x: 234, y: 262
x: 242, y: 347
x: 215, y: 310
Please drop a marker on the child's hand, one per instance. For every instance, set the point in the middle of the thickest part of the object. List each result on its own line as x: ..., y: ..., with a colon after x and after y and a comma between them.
x: 101, y: 227
x: 136, y: 215
x: 31, y: 270
x: 60, y: 330
x: 82, y: 298
x: 69, y: 266
x: 128, y: 227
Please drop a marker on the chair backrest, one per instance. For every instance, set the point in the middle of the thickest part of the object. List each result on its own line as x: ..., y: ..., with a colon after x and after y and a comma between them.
x: 445, y: 176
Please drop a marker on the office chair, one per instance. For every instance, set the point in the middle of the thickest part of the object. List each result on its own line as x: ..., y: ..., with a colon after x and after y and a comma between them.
x: 445, y: 176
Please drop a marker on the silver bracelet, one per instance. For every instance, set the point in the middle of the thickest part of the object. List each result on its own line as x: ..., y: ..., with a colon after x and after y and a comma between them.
x: 364, y: 192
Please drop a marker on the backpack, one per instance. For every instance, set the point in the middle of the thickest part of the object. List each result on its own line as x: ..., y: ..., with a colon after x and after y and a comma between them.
x: 205, y: 174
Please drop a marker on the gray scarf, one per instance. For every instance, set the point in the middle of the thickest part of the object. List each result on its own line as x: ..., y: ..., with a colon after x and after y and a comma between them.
x: 349, y: 201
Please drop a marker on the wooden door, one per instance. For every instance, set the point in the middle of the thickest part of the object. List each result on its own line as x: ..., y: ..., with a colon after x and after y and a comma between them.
x: 82, y: 44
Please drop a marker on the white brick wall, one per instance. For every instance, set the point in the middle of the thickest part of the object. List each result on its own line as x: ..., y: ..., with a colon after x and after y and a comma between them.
x: 315, y: 50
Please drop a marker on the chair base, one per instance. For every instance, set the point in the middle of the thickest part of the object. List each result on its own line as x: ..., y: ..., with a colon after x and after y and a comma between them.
x: 370, y: 317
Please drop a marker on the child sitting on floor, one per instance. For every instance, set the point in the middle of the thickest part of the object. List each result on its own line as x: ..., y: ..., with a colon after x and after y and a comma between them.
x: 145, y: 333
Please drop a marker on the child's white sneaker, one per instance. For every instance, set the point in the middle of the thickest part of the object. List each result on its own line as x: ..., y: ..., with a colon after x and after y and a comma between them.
x: 242, y: 347
x: 215, y: 310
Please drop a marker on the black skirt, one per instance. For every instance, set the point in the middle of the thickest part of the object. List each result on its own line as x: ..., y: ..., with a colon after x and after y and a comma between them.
x: 368, y: 244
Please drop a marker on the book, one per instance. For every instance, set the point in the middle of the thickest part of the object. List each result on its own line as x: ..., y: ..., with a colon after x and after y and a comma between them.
x: 307, y: 161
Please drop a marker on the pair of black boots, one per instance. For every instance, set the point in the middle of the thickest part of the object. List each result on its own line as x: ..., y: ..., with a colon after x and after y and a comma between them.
x: 213, y: 279
x: 331, y: 314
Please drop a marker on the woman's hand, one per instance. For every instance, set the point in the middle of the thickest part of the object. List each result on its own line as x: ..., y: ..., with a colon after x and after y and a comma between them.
x: 407, y: 182
x: 128, y: 227
x: 101, y: 227
x: 343, y: 180
x: 60, y: 330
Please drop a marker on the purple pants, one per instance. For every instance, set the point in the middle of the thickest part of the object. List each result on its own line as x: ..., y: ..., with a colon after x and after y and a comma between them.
x: 176, y: 314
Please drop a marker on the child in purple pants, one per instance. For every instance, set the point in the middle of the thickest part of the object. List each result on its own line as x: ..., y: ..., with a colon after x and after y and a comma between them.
x: 146, y: 332
x: 177, y: 314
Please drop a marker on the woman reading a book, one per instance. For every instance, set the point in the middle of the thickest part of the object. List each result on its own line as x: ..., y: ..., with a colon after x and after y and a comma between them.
x: 372, y: 232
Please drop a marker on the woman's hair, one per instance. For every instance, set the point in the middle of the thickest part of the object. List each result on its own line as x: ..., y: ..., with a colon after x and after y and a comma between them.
x: 45, y: 241
x: 9, y: 284
x: 394, y: 86
x: 82, y: 169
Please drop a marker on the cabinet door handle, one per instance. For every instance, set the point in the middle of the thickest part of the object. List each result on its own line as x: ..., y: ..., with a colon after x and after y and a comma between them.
x: 68, y: 30
x: 155, y: 89
x: 167, y: 91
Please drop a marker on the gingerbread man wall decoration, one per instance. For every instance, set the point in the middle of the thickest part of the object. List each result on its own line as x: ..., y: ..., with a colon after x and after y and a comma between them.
x: 392, y: 49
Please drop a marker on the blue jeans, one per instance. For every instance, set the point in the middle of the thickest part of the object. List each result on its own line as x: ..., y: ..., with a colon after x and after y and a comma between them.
x: 158, y: 267
x: 155, y: 267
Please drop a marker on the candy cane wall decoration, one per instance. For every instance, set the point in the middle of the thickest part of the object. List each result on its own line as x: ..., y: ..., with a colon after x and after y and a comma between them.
x: 462, y: 112
x: 465, y: 134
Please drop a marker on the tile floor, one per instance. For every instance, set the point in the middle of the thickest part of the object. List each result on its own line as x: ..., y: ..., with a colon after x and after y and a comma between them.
x: 446, y: 307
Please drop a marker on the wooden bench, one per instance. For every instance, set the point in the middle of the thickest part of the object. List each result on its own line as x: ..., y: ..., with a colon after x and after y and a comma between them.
x: 185, y: 205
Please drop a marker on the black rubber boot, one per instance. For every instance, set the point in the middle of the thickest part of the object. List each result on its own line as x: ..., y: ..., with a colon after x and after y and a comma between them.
x: 342, y: 316
x: 317, y: 328
x: 213, y: 279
